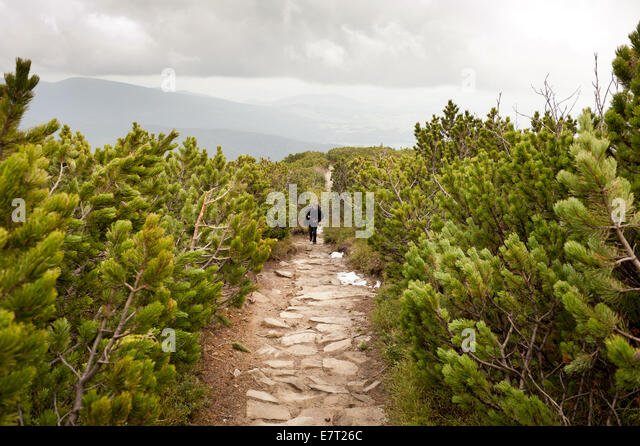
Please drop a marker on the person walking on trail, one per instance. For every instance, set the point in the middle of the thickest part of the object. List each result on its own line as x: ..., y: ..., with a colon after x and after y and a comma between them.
x: 314, y: 216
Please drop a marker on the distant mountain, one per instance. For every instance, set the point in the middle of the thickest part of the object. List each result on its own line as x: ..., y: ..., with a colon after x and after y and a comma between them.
x: 235, y: 143
x: 105, y: 110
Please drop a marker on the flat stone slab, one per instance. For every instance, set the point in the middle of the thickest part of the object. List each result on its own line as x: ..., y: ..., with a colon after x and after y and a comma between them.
x: 268, y: 350
x: 262, y: 396
x: 331, y: 320
x: 301, y: 421
x: 279, y: 364
x: 293, y: 397
x: 331, y: 337
x: 283, y: 273
x: 267, y: 411
x: 338, y: 400
x: 259, y: 297
x: 338, y: 346
x: 290, y: 315
x: 360, y: 416
x: 298, y: 308
x: 372, y: 386
x: 363, y: 398
x: 298, y: 338
x: 274, y: 323
x: 333, y: 303
x: 280, y: 372
x: 259, y: 376
x: 294, y: 381
x: 309, y: 363
x: 339, y: 366
x: 321, y: 295
x: 328, y: 388
x: 356, y: 386
x: 322, y: 416
x: 327, y: 328
x: 302, y: 350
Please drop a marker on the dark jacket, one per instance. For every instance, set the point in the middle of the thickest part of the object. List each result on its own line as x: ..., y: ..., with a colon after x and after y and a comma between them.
x: 314, y: 216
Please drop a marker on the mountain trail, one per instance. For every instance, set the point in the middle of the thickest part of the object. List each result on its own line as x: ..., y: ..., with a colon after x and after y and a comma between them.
x: 310, y: 359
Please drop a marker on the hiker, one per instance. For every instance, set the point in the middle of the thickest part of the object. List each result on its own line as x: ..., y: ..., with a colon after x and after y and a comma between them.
x: 314, y: 216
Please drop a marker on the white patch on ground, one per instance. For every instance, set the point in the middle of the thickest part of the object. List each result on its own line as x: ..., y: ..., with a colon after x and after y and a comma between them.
x: 351, y: 278
x: 377, y: 285
x: 337, y: 255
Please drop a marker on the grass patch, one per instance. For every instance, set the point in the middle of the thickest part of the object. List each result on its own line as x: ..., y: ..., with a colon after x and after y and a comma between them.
x: 363, y: 258
x: 282, y: 249
x: 340, y: 237
x: 414, y: 404
x: 360, y: 255
x: 184, y: 400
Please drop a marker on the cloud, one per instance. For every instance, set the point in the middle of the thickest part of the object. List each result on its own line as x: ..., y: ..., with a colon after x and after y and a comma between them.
x: 327, y: 52
x: 404, y: 43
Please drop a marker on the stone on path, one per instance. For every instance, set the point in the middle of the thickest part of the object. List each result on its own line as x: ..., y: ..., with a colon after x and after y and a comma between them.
x: 283, y: 273
x: 259, y: 376
x: 302, y: 350
x: 290, y: 315
x: 272, y: 334
x: 267, y: 411
x: 328, y: 388
x: 268, y: 350
x: 297, y: 397
x: 262, y: 396
x: 331, y: 320
x: 278, y: 364
x: 281, y: 372
x: 275, y: 323
x: 364, y: 398
x: 309, y: 363
x: 301, y: 421
x: 327, y: 328
x: 360, y: 416
x: 323, y: 416
x: 356, y: 386
x: 339, y: 366
x: 294, y: 381
x: 298, y: 338
x: 338, y: 346
x: 372, y: 386
x: 332, y: 337
x: 297, y: 308
x: 258, y: 297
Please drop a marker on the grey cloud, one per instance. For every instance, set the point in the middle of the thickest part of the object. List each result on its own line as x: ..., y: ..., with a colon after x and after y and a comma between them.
x: 378, y: 42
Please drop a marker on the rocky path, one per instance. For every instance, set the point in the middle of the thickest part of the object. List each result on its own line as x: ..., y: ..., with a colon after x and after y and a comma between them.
x: 313, y: 362
x: 309, y: 358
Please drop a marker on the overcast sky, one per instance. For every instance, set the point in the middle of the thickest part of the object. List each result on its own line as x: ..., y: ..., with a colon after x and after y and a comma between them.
x: 395, y: 54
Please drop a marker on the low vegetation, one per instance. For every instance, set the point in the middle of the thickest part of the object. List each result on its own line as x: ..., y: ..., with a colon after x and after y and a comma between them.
x: 511, y: 278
